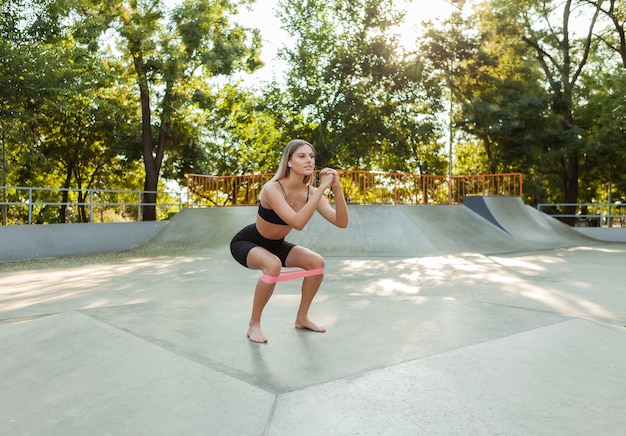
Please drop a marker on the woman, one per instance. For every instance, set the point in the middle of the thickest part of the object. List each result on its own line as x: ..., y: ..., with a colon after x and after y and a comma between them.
x: 288, y: 201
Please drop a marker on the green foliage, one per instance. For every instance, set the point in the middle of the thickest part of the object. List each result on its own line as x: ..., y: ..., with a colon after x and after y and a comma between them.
x: 547, y: 29
x: 120, y: 93
x: 601, y: 113
x: 172, y: 61
x: 352, y: 91
x: 240, y: 137
x: 496, y: 91
x: 113, y: 82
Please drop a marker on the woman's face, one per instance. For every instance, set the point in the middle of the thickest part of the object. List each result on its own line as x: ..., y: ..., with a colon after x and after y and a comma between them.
x: 303, y: 160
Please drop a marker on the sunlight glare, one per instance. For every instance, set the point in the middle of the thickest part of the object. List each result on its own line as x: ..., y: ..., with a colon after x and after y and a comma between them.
x: 416, y: 13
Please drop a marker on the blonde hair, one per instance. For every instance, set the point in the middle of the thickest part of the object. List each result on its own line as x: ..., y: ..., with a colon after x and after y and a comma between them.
x: 283, y: 169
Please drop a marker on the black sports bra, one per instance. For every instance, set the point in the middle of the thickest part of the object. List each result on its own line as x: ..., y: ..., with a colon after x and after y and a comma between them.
x: 272, y: 217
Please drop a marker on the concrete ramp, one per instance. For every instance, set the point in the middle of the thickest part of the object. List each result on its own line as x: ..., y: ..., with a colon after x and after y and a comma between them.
x: 525, y: 223
x: 405, y: 231
x: 389, y: 231
x: 206, y: 228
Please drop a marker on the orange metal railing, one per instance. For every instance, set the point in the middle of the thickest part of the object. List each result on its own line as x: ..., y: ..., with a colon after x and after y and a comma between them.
x: 360, y: 187
x: 509, y: 184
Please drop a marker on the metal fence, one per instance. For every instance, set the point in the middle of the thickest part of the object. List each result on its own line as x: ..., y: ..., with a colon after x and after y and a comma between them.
x: 587, y: 214
x: 359, y: 187
x: 28, y: 205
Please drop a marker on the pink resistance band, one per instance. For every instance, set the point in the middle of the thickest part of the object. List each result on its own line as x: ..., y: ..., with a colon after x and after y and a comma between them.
x: 290, y: 275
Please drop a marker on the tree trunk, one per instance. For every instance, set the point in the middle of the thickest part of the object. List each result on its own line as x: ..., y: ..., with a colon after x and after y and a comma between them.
x: 3, y: 181
x: 82, y: 214
x: 570, y: 186
x: 152, y: 156
x: 152, y: 172
x: 65, y: 193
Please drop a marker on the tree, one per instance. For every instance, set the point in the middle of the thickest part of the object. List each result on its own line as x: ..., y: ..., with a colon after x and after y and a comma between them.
x: 172, y: 56
x: 27, y: 71
x: 241, y: 135
x: 496, y: 91
x: 58, y: 95
x: 605, y: 104
x: 614, y: 39
x: 352, y: 90
x: 546, y: 27
x: 602, y: 114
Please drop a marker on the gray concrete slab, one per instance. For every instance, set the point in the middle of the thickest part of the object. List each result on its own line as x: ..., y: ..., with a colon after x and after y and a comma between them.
x: 28, y: 242
x: 612, y: 234
x: 67, y: 374
x: 556, y: 380
x: 489, y: 338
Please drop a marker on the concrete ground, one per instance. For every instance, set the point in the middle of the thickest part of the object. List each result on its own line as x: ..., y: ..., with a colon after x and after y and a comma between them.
x: 440, y: 322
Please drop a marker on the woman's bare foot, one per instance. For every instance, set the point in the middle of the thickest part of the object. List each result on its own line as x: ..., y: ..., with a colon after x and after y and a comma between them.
x: 309, y: 325
x: 256, y: 335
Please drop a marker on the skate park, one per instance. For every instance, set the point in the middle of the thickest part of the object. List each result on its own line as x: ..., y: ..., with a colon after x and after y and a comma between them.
x: 486, y: 318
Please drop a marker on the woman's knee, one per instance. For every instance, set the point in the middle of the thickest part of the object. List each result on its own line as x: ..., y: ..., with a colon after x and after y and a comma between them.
x: 317, y: 261
x: 309, y: 260
x: 273, y: 267
x: 261, y: 259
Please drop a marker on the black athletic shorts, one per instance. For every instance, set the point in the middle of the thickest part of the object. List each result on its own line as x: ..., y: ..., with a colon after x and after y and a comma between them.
x: 249, y: 237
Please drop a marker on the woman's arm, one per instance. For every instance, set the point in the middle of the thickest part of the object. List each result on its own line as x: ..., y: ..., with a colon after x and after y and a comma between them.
x: 298, y: 220
x: 339, y: 215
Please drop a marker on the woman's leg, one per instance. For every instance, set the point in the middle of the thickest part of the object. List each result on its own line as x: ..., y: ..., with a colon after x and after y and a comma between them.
x: 306, y: 259
x: 261, y: 259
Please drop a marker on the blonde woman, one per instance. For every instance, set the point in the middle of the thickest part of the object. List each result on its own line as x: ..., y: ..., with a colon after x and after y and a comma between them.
x: 288, y: 201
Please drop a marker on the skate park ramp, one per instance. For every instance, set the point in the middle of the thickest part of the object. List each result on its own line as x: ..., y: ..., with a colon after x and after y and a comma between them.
x: 395, y: 231
x: 440, y: 322
x: 524, y: 222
